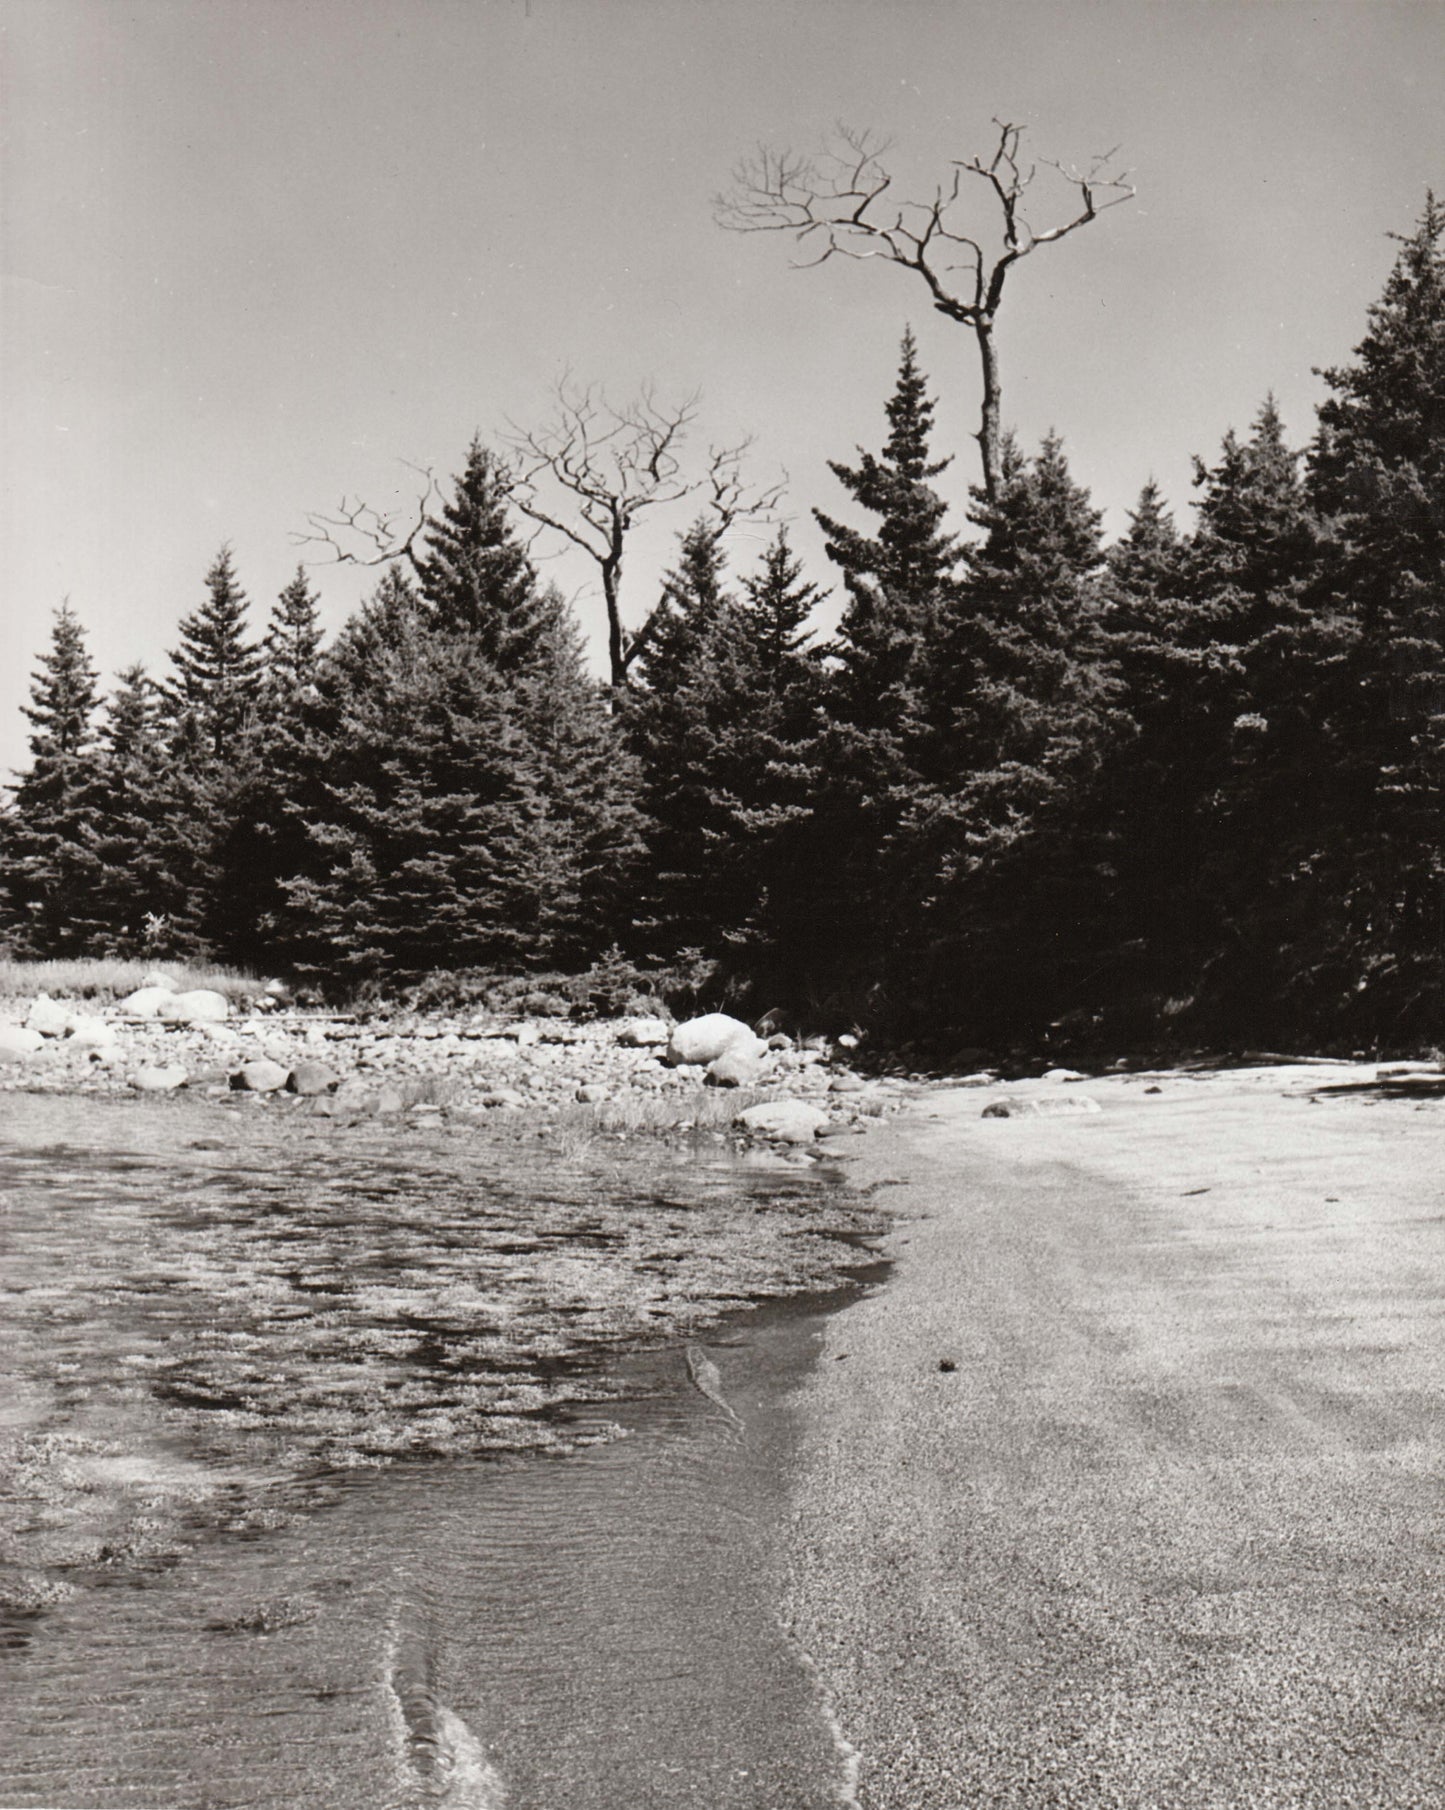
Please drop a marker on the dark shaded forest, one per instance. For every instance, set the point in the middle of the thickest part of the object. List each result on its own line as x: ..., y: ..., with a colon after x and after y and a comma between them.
x: 1183, y: 790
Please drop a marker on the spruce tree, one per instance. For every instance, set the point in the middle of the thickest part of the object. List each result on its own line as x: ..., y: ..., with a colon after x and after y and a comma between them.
x: 833, y: 908
x: 50, y: 862
x: 265, y: 841
x: 135, y: 898
x: 1022, y: 708
x: 293, y: 640
x: 459, y: 814
x: 475, y: 575
x: 1377, y: 476
x: 685, y: 687
x: 724, y: 716
x: 218, y: 671
x: 899, y: 578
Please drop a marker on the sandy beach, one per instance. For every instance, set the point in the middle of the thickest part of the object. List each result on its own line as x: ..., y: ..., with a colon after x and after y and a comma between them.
x: 1126, y: 1488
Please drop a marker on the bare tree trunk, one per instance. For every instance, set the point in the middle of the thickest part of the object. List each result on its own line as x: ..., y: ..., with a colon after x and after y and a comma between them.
x: 611, y: 570
x: 990, y: 431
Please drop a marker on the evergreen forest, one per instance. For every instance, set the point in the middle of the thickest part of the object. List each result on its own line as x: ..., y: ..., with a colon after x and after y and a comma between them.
x: 1182, y: 790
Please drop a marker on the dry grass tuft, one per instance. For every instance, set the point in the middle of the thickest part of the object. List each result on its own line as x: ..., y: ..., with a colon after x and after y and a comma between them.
x: 103, y: 979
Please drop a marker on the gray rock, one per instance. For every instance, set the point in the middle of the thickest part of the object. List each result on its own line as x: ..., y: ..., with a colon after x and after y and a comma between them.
x: 737, y: 1067
x: 310, y: 1078
x: 703, y: 1040
x: 591, y: 1093
x: 847, y: 1083
x: 789, y: 1121
x: 503, y: 1096
x: 19, y: 1040
x: 260, y: 1077
x: 390, y: 1100
x: 48, y: 1016
x: 152, y: 1080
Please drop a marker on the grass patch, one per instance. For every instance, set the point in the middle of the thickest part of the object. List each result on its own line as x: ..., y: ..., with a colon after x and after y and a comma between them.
x: 106, y: 980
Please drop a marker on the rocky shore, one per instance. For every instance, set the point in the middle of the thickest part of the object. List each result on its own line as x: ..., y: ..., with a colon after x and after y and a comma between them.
x: 634, y: 1074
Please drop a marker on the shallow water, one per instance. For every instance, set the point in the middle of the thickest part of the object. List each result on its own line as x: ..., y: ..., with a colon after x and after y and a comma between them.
x: 333, y: 1475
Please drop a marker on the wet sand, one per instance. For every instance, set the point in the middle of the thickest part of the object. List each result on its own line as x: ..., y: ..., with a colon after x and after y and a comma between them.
x: 1126, y: 1490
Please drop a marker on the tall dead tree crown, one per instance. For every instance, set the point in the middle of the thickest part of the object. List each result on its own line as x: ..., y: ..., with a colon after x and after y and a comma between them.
x: 841, y: 203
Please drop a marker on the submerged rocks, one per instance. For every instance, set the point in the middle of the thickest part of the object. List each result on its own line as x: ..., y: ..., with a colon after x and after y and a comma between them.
x: 703, y: 1040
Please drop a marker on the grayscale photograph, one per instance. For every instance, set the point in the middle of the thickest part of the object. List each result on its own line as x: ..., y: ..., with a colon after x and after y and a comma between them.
x: 722, y: 905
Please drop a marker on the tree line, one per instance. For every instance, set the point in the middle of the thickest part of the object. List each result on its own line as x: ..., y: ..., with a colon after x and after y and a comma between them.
x: 1184, y: 787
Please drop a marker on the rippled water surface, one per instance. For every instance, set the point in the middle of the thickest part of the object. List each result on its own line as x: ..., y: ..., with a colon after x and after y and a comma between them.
x: 386, y: 1467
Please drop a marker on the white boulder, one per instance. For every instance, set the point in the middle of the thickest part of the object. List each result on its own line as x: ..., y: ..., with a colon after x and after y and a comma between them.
x: 703, y: 1040
x: 19, y: 1040
x: 88, y: 1032
x: 644, y: 1033
x: 260, y: 1077
x: 199, y: 1006
x: 159, y: 1080
x: 147, y: 1002
x: 789, y: 1121
x: 48, y: 1016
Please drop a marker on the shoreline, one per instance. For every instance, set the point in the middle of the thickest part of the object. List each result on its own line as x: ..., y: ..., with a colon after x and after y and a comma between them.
x: 1124, y: 1489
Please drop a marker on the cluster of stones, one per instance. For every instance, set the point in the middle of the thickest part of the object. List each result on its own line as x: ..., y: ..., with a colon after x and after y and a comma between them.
x: 158, y: 1040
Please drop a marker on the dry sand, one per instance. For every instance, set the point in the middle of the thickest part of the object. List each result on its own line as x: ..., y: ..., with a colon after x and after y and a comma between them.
x: 1126, y: 1489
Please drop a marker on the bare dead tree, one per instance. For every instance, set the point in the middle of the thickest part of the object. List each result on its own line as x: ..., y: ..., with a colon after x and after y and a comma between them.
x: 840, y: 204
x: 359, y: 534
x: 593, y: 469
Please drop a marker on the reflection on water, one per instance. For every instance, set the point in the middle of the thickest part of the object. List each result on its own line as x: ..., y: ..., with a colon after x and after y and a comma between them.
x: 282, y: 1514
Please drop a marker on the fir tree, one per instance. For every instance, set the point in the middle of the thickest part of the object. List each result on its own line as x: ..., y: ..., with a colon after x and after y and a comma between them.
x: 898, y: 579
x: 475, y: 574
x: 265, y: 840
x: 218, y: 671
x: 459, y: 815
x: 49, y: 862
x: 1377, y: 475
x: 686, y: 685
x: 1022, y: 707
x: 293, y: 641
x: 135, y: 898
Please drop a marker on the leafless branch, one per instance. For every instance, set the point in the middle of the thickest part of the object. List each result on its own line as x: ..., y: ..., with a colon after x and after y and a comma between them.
x: 359, y: 534
x: 590, y: 471
x: 840, y: 204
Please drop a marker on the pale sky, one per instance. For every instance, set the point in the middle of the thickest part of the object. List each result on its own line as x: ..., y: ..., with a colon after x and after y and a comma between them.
x: 257, y: 253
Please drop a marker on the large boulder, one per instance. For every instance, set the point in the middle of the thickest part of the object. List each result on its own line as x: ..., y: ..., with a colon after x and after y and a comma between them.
x: 90, y: 1033
x: 644, y: 1033
x: 312, y: 1078
x: 152, y: 1080
x: 735, y: 1067
x: 703, y: 1040
x: 48, y: 1016
x: 788, y: 1121
x: 260, y: 1077
x: 19, y: 1040
x: 147, y: 1001
x: 199, y: 1006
